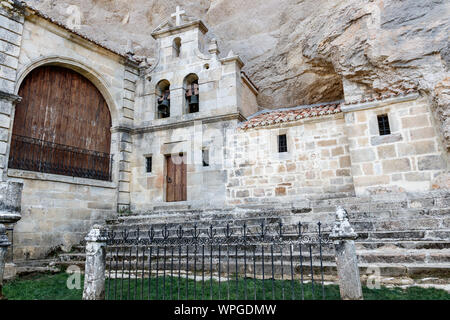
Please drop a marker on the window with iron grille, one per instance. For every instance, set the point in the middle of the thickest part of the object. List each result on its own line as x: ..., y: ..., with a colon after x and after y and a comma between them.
x: 282, y: 143
x: 205, y: 157
x: 383, y: 125
x: 148, y: 164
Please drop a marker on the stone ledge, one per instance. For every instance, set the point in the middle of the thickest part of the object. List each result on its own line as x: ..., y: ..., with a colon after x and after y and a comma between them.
x: 22, y: 174
x: 379, y: 103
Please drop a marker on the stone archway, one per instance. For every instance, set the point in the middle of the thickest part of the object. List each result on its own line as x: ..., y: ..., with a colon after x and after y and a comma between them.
x: 61, y: 126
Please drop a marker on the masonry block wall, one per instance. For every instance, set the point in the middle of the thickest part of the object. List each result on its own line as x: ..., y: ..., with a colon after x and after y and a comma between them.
x: 205, y: 185
x: 339, y: 155
x: 409, y: 159
x: 317, y: 163
x: 57, y: 214
x: 11, y: 29
x: 58, y: 211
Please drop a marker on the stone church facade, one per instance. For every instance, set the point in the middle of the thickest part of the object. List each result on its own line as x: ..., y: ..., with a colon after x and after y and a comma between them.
x: 185, y: 131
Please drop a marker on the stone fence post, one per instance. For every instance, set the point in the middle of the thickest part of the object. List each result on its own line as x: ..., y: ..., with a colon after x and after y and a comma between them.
x: 343, y: 236
x: 4, y: 244
x: 94, y: 272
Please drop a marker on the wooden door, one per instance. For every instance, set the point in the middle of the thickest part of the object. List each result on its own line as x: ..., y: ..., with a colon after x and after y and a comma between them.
x: 176, y: 179
x: 61, y: 106
x: 62, y: 125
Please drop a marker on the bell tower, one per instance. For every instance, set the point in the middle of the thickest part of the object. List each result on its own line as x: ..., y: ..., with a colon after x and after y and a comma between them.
x: 189, y: 80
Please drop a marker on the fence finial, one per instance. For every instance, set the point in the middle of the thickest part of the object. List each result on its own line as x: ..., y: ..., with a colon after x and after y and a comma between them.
x: 346, y: 259
x: 94, y: 280
x: 342, y: 228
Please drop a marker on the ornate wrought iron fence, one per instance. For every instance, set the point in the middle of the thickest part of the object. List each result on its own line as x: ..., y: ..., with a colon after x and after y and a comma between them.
x: 43, y: 156
x: 216, y: 263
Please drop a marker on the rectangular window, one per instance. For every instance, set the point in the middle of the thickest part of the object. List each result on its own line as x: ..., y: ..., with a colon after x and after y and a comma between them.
x: 282, y: 143
x: 205, y: 157
x: 148, y: 164
x: 383, y: 125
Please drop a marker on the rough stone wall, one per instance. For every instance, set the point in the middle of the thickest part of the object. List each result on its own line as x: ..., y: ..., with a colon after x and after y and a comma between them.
x: 57, y: 214
x: 317, y: 163
x: 409, y: 159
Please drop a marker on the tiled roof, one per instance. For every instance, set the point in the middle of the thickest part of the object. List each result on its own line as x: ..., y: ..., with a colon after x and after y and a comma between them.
x: 289, y: 115
x: 24, y: 5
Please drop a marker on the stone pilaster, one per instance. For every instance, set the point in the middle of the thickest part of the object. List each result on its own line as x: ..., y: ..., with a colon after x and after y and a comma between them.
x: 122, y: 141
x: 11, y: 29
x: 94, y: 279
x: 130, y: 78
x: 343, y: 236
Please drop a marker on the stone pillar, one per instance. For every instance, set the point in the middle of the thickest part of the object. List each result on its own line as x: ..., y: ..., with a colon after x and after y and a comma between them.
x: 94, y: 273
x: 122, y: 150
x: 4, y: 244
x: 343, y: 236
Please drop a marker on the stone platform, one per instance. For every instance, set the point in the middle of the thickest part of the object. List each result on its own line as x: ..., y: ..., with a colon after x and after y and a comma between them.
x: 406, y: 236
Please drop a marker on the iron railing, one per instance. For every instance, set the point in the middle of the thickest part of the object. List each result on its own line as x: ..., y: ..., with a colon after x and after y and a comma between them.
x: 32, y: 154
x: 243, y: 262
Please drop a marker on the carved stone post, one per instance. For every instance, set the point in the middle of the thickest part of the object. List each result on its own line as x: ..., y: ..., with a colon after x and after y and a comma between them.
x: 94, y: 277
x: 343, y: 236
x: 4, y: 244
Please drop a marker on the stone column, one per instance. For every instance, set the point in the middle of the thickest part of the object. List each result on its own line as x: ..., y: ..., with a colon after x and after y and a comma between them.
x: 94, y: 276
x: 4, y: 244
x: 343, y: 236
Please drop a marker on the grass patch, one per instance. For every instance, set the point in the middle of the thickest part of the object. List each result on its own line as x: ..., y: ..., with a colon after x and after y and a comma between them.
x: 54, y: 287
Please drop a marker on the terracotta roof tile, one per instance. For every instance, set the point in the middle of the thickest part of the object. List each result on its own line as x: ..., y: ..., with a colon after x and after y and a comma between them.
x: 288, y: 115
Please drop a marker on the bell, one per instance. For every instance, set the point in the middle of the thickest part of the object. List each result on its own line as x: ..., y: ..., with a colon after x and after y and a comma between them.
x: 193, y: 101
x: 163, y: 106
x: 193, y: 104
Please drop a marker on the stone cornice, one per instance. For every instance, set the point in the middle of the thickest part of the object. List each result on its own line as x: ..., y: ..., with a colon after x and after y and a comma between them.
x: 162, y: 31
x: 121, y: 129
x: 190, y: 122
x: 10, y: 97
x: 379, y: 103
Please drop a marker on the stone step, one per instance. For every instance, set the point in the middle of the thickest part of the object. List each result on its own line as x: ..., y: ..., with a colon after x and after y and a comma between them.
x: 305, y: 213
x: 412, y: 272
x: 395, y: 256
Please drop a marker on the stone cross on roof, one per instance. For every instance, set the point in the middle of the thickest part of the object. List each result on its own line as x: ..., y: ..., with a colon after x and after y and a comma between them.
x: 178, y: 14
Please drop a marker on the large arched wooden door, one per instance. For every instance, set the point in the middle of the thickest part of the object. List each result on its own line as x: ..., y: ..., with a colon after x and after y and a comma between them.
x: 61, y: 126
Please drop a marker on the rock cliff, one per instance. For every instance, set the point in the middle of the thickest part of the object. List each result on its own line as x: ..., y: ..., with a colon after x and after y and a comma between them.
x: 299, y: 51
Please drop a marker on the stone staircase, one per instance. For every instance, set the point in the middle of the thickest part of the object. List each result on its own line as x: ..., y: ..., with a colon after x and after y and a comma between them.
x: 407, y: 236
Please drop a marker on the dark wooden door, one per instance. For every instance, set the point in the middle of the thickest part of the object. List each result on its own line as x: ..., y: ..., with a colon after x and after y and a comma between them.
x: 61, y: 106
x: 176, y: 179
x: 62, y: 125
